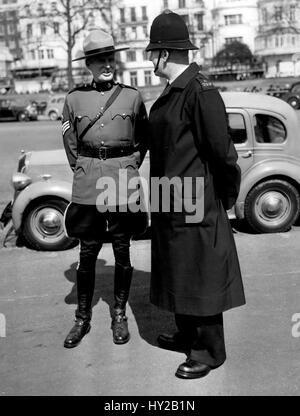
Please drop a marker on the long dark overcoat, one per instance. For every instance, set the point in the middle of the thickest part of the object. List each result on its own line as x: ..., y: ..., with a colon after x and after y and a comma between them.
x: 195, y: 268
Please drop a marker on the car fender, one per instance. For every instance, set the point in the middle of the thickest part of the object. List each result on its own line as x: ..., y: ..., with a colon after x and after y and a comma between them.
x: 273, y: 168
x: 60, y: 189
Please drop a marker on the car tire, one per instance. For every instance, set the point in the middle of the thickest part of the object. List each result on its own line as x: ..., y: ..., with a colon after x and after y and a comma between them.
x: 272, y: 206
x: 53, y: 116
x: 21, y: 116
x: 43, y: 226
x: 294, y: 102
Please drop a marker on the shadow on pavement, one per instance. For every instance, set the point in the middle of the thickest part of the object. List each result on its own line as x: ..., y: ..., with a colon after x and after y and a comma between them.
x: 150, y: 320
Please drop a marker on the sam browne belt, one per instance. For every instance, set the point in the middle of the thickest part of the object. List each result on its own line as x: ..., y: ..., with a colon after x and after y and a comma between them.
x: 104, y: 152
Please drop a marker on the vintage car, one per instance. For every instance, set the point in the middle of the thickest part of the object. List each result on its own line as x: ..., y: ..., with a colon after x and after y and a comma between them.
x: 12, y: 109
x: 266, y: 133
x: 290, y: 94
x: 55, y: 107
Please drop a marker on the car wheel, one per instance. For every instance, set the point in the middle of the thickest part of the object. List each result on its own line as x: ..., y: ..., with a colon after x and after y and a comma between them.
x: 272, y: 206
x: 294, y: 102
x: 43, y: 226
x: 21, y: 116
x: 53, y: 116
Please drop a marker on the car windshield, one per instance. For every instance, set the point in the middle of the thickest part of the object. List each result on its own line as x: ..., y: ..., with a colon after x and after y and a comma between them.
x: 296, y: 88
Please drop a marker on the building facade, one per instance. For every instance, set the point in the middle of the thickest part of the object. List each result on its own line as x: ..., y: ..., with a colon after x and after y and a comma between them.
x: 44, y: 52
x: 9, y: 28
x: 10, y: 48
x: 278, y: 38
x: 232, y: 20
x: 33, y: 37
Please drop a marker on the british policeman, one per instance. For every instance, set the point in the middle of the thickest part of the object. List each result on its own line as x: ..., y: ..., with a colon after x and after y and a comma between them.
x: 195, y: 271
x: 104, y: 131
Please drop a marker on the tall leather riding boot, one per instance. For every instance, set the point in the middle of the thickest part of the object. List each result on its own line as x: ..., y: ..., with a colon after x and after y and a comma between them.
x: 83, y: 314
x: 123, y: 277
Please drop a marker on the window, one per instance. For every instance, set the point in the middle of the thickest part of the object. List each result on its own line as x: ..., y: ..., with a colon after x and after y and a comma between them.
x: 278, y: 13
x: 264, y: 15
x: 293, y: 13
x: 43, y: 28
x: 10, y: 28
x: 132, y: 14
x: 133, y: 79
x: 29, y: 30
x: 56, y: 27
x: 145, y: 31
x: 144, y: 13
x: 134, y: 32
x: 131, y: 56
x: 231, y: 40
x: 123, y: 33
x: 122, y: 15
x: 32, y: 54
x: 296, y: 88
x: 50, y: 54
x: 237, y: 128
x: 148, y: 77
x: 11, y: 14
x: 27, y: 10
x: 41, y: 54
x: 268, y: 129
x: 233, y: 19
x: 1, y: 29
x: 199, y: 19
x: 40, y: 9
x: 166, y: 4
x: 181, y: 4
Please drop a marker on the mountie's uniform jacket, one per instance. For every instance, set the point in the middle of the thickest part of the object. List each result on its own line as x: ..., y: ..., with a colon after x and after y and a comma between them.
x: 123, y: 125
x: 195, y: 268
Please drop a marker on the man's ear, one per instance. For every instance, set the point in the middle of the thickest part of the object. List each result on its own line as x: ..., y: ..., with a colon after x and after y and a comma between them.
x: 165, y: 55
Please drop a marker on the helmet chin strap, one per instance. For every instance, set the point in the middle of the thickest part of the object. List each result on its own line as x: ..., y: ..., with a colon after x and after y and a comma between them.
x: 158, y: 60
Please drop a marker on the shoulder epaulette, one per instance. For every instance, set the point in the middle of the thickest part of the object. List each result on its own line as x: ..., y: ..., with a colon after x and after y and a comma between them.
x: 204, y: 82
x: 82, y: 87
x: 127, y: 86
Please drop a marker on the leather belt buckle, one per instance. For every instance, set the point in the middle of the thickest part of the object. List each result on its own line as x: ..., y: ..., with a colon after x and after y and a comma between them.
x: 102, y: 153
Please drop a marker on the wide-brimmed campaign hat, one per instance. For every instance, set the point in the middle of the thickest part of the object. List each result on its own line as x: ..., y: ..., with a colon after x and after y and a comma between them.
x: 98, y: 42
x: 169, y: 31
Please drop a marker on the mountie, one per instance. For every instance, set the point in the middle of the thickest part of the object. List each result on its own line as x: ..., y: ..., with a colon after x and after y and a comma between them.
x: 132, y: 407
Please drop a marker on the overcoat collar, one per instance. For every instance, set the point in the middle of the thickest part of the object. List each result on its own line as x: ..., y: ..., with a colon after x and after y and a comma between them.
x: 183, y: 79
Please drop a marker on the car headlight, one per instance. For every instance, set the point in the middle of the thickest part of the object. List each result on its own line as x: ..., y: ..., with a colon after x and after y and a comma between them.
x: 20, y: 181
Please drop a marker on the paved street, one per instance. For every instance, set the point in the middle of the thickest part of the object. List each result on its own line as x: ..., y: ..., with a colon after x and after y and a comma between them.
x: 38, y: 300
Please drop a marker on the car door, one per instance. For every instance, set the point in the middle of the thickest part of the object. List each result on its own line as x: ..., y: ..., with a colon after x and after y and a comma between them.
x: 5, y: 110
x: 241, y: 134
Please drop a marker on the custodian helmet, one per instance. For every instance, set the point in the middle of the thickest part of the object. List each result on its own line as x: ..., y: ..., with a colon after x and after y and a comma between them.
x: 169, y: 31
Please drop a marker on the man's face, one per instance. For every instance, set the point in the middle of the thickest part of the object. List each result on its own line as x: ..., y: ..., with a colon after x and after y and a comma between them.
x: 154, y: 57
x: 102, y: 67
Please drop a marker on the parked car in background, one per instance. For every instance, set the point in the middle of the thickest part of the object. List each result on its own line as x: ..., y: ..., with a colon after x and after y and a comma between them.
x: 55, y: 107
x: 290, y: 94
x: 265, y: 131
x: 16, y: 110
